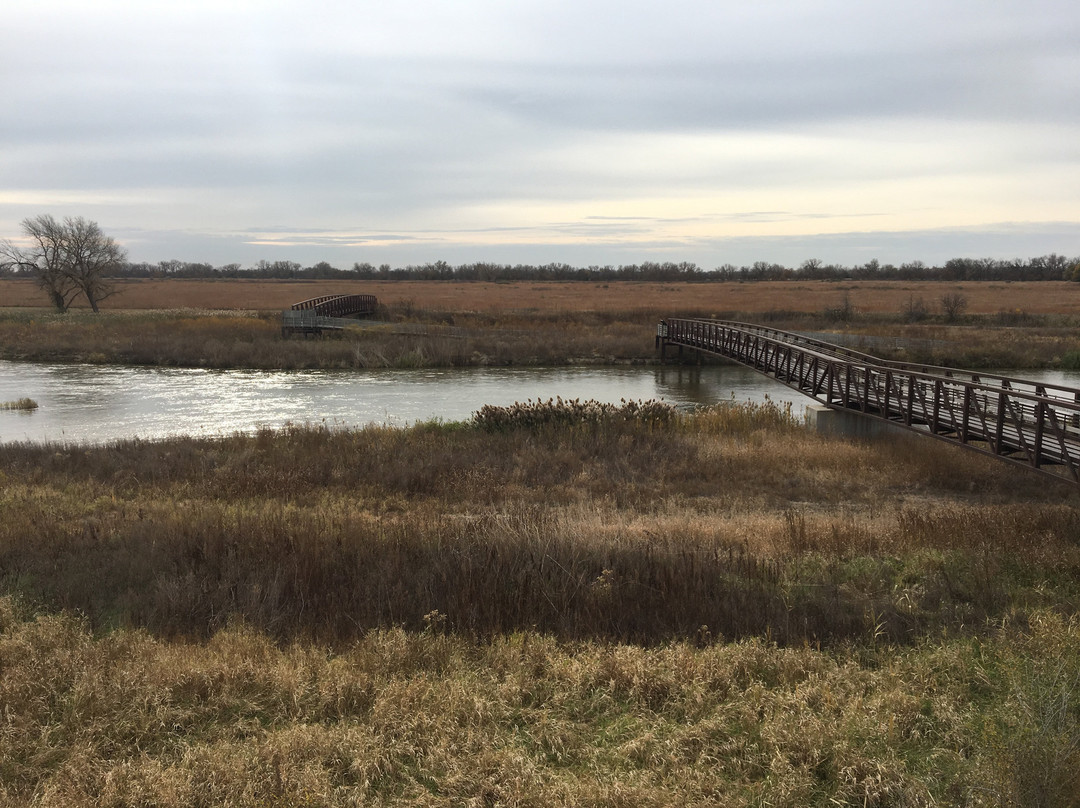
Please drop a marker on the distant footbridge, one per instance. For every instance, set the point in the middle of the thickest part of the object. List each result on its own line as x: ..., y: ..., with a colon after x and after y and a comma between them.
x: 329, y: 312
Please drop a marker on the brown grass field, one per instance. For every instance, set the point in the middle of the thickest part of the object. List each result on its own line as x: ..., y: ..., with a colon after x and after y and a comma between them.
x: 235, y: 323
x: 717, y: 608
x: 527, y: 609
x: 536, y: 609
x: 869, y: 297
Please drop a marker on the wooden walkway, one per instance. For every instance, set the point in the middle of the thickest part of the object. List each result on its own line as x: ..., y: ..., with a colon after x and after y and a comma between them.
x: 1030, y: 423
x: 329, y: 312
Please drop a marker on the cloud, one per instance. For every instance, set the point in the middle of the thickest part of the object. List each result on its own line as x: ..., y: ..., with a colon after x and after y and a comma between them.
x: 677, y: 124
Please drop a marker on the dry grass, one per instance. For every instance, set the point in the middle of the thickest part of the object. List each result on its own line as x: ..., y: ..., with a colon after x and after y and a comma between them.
x: 551, y: 605
x: 223, y: 324
x: 222, y: 340
x: 867, y: 297
x: 24, y: 404
x: 426, y: 719
x: 428, y: 338
x: 631, y: 528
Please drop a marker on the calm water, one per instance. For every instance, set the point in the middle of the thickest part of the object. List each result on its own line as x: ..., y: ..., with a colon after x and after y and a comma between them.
x: 101, y: 403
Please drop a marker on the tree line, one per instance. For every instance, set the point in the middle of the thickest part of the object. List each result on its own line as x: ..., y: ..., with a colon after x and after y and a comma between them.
x: 73, y: 258
x: 1051, y: 267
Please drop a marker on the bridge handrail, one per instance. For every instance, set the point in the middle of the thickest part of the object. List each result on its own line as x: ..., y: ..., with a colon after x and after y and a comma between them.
x: 331, y: 305
x: 311, y: 303
x: 1037, y: 427
x: 1059, y: 395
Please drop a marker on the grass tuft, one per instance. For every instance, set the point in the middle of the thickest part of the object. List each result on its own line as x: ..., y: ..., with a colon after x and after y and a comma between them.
x: 573, y: 413
x: 19, y: 404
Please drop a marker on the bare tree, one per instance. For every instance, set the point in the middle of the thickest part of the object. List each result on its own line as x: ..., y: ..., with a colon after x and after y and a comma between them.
x: 953, y: 304
x: 91, y: 256
x: 66, y: 258
x: 914, y: 309
x: 44, y: 260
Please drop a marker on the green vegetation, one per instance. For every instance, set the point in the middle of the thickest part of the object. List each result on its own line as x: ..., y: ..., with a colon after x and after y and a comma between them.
x: 554, y: 603
x: 1071, y: 360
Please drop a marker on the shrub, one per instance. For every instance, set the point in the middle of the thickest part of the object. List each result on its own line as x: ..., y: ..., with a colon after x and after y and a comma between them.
x: 953, y: 305
x: 914, y: 310
x: 843, y: 312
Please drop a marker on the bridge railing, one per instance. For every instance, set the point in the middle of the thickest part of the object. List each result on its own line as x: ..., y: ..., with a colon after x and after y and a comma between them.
x: 338, y: 305
x: 1060, y: 392
x: 1027, y: 422
x: 316, y: 314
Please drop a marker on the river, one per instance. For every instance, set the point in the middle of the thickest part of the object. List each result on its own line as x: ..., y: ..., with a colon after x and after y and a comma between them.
x: 99, y: 403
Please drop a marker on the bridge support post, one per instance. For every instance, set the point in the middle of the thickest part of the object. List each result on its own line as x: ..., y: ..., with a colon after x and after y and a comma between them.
x: 663, y: 345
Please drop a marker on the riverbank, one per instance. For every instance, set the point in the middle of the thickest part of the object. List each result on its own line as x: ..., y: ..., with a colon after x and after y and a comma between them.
x: 235, y: 323
x: 254, y: 340
x: 542, y: 605
x: 407, y: 337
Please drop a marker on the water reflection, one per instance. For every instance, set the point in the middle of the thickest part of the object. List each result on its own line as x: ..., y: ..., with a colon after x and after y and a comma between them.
x: 703, y: 386
x: 101, y: 403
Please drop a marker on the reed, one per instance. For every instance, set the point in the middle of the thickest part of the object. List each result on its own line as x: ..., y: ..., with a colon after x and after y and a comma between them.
x: 19, y: 404
x: 688, y: 607
x: 576, y: 518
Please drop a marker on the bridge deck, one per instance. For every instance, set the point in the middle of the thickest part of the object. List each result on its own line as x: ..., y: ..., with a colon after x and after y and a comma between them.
x: 1030, y: 423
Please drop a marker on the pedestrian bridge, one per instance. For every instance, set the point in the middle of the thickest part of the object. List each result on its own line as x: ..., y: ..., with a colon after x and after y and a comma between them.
x: 329, y: 312
x: 1024, y: 422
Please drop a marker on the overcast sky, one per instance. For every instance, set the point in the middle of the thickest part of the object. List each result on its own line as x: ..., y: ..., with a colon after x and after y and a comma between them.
x: 528, y: 131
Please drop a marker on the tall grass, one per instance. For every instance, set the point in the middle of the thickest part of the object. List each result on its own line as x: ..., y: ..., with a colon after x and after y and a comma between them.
x: 577, y: 519
x: 426, y: 718
x: 554, y: 603
x: 420, y: 338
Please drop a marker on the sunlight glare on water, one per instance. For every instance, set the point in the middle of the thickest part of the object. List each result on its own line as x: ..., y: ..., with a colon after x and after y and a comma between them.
x: 93, y: 403
x: 98, y: 403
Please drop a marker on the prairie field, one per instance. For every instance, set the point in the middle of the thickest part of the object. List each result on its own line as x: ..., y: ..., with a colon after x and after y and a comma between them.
x: 659, y: 299
x: 550, y: 604
x: 559, y: 603
x: 235, y: 323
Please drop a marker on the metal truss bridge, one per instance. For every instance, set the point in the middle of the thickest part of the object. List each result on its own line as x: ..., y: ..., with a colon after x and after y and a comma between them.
x: 331, y: 312
x: 1028, y: 423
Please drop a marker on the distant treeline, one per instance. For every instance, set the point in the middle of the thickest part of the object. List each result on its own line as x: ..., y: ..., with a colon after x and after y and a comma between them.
x: 1051, y: 267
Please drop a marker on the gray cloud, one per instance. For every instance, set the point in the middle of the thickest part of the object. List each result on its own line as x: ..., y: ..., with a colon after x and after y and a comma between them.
x: 483, y: 117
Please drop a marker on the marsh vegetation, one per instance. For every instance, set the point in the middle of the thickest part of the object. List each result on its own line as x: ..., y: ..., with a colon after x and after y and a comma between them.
x: 552, y: 603
x: 409, y: 336
x: 24, y: 404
